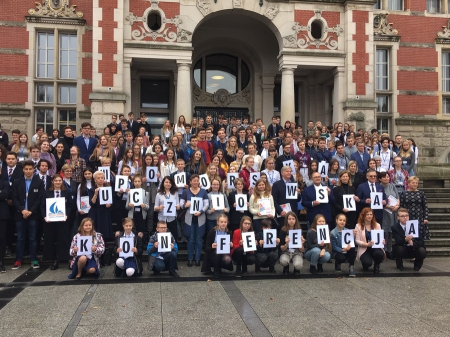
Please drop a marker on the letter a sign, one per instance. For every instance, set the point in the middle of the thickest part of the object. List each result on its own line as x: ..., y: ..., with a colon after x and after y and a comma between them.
x: 376, y: 199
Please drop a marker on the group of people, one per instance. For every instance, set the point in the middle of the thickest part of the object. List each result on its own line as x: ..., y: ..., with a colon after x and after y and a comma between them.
x: 224, y: 178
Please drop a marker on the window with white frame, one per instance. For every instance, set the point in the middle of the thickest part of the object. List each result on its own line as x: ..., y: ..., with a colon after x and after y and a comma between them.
x: 434, y: 6
x: 56, y: 79
x: 446, y: 82
x: 392, y: 5
x: 383, y: 89
x: 383, y: 125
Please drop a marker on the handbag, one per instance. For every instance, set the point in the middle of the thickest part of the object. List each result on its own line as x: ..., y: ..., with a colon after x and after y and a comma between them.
x: 181, y: 214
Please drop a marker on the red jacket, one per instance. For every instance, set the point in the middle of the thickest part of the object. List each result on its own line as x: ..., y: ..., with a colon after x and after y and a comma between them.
x: 236, y: 238
x: 208, y: 148
x: 245, y: 174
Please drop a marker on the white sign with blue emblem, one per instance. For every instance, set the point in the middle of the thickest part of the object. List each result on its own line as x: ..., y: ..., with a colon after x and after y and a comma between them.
x: 55, y: 209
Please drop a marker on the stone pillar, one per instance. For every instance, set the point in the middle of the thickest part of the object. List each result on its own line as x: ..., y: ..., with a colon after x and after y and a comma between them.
x: 287, y: 93
x: 267, y: 87
x: 339, y: 94
x: 183, y: 92
x: 127, y: 84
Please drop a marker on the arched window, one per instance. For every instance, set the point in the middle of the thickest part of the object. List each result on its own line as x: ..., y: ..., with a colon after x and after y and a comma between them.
x: 221, y: 71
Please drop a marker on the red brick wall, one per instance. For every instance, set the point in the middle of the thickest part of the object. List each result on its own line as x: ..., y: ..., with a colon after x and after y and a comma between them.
x: 417, y: 105
x: 417, y: 57
x: 360, y: 57
x: 13, y: 92
x: 417, y: 80
x: 107, y: 46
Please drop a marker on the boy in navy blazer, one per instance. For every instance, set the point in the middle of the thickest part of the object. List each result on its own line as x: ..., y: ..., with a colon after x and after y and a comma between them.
x: 27, y: 193
x: 85, y: 142
x: 361, y: 157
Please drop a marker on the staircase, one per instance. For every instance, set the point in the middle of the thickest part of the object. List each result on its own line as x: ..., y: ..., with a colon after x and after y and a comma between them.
x: 438, y: 221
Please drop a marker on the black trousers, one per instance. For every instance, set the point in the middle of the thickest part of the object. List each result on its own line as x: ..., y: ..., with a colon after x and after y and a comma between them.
x: 264, y: 260
x: 243, y: 259
x: 219, y: 261
x: 56, y: 241
x: 419, y: 254
x: 349, y: 257
x: 3, y: 229
x: 374, y: 255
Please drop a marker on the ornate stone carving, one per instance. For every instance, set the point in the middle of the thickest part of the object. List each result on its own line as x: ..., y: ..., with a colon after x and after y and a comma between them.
x: 222, y: 97
x: 143, y: 31
x: 238, y: 3
x: 381, y: 25
x: 306, y: 39
x: 446, y: 33
x: 204, y: 6
x: 272, y: 11
x: 243, y: 97
x: 55, y: 9
x: 200, y: 95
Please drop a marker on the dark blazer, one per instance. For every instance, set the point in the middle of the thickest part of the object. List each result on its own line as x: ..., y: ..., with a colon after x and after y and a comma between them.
x: 122, y: 150
x: 17, y: 173
x: 308, y: 196
x: 399, y: 236
x: 5, y: 194
x: 134, y: 127
x: 48, y: 182
x: 338, y: 193
x: 273, y: 131
x: 51, y: 194
x: 85, y: 153
x: 72, y: 193
x: 362, y: 164
x: 279, y: 197
x: 68, y: 143
x: 35, y: 193
x: 363, y: 193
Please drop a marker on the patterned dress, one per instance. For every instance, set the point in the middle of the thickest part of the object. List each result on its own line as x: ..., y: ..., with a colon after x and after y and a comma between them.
x: 416, y: 203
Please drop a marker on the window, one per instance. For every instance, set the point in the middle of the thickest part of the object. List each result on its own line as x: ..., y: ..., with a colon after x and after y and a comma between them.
x: 395, y: 5
x: 316, y: 29
x: 383, y: 125
x: 382, y: 80
x: 221, y: 71
x: 155, y: 94
x: 433, y: 6
x: 446, y: 83
x: 56, y: 79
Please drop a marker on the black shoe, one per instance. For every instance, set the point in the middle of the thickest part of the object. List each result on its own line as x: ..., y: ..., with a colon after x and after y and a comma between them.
x: 376, y: 269
x: 2, y: 269
x: 286, y: 270
x: 415, y: 269
x: 156, y: 272
x: 312, y: 269
x: 319, y: 268
x: 174, y: 273
x: 257, y: 269
x: 197, y: 263
x: 244, y: 269
x: 238, y: 273
x: 54, y: 266
x: 216, y: 274
x: 296, y: 271
x: 272, y: 270
x: 189, y: 264
x: 124, y: 274
x: 400, y: 267
x: 337, y: 266
x: 330, y: 261
x: 365, y: 268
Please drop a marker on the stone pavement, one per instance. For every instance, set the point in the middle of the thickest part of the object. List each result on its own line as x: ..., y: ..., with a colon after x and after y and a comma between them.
x: 393, y: 303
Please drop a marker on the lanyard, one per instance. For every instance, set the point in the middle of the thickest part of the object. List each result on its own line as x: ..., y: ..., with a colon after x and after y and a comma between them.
x: 270, y: 177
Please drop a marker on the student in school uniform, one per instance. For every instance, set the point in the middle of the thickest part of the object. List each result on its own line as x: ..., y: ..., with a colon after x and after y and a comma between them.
x: 26, y: 196
x: 5, y: 190
x: 139, y: 212
x: 56, y: 233
x: 130, y: 266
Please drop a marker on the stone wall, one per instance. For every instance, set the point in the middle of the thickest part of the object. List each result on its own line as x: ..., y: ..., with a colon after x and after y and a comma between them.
x: 14, y: 117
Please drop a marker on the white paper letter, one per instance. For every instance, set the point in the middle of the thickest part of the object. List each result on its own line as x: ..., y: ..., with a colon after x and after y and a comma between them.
x: 323, y: 233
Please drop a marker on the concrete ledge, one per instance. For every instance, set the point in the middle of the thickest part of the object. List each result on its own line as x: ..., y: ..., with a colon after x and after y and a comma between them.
x: 106, y: 96
x: 434, y: 175
x: 420, y: 120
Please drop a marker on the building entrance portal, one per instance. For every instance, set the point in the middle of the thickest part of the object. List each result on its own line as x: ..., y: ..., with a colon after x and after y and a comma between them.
x: 202, y: 112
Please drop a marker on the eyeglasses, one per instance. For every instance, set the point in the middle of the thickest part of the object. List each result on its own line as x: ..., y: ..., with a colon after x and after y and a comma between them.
x: 247, y: 223
x: 161, y: 227
x: 372, y: 176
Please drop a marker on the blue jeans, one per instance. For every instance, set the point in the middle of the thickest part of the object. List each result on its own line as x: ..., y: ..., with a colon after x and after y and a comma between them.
x: 312, y: 256
x: 22, y: 227
x: 195, y: 240
x: 169, y: 262
x: 210, y: 225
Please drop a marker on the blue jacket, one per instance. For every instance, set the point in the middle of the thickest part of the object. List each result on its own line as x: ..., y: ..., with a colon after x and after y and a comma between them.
x: 308, y: 196
x: 362, y: 164
x: 363, y: 193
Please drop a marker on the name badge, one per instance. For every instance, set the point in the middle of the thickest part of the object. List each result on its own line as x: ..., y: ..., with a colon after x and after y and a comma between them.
x: 342, y: 167
x: 35, y: 190
x: 405, y: 162
x: 137, y: 209
x: 10, y: 183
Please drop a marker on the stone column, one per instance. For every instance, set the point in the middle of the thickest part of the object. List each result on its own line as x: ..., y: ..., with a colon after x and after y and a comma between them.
x: 267, y: 87
x: 339, y: 94
x: 287, y: 93
x: 127, y: 85
x: 183, y: 92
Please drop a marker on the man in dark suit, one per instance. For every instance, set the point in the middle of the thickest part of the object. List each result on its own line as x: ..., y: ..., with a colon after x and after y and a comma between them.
x: 132, y: 124
x: 85, y: 142
x: 128, y: 144
x: 363, y: 193
x: 27, y: 194
x: 405, y: 245
x: 4, y: 217
x: 273, y: 128
x: 67, y: 140
x: 139, y: 140
x: 313, y: 206
x: 43, y: 167
x: 361, y: 157
x: 279, y: 193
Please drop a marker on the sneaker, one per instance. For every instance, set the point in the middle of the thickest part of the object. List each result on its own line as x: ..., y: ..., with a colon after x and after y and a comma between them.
x: 8, y: 252
x: 2, y: 269
x: 17, y: 264
x: 35, y: 264
x: 351, y: 271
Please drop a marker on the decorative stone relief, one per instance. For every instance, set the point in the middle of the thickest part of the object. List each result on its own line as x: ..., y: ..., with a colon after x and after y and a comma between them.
x: 446, y: 33
x: 381, y: 25
x: 55, y: 9
x: 204, y: 6
x: 143, y: 31
x: 307, y: 39
x: 222, y: 97
x: 238, y: 3
x: 272, y: 11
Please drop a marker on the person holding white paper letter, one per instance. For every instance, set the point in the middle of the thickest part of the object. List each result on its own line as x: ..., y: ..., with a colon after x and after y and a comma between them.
x: 261, y: 210
x: 266, y: 257
x: 101, y: 214
x: 310, y: 200
x: 415, y: 202
x: 139, y: 212
x: 345, y: 188
x: 406, y: 245
x: 119, y: 210
x: 194, y: 224
x: 236, y: 216
x: 242, y: 259
x: 131, y: 265
x: 86, y: 264
x: 366, y: 254
x: 211, y: 259
x: 158, y: 262
x: 218, y: 204
x: 84, y: 194
x: 317, y: 253
x: 168, y: 191
x: 343, y: 253
x: 57, y: 233
x: 371, y: 186
x: 287, y: 254
x: 389, y: 211
x: 279, y: 192
x: 150, y: 187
